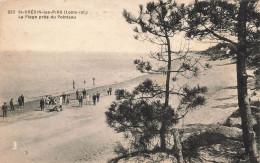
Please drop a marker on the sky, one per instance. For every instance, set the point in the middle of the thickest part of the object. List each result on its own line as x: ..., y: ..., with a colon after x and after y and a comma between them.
x: 102, y: 29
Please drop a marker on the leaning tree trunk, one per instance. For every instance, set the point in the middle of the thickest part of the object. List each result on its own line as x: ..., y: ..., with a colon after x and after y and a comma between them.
x: 243, y: 101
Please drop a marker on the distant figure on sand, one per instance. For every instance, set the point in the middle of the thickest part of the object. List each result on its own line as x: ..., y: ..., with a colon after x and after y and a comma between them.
x: 22, y: 98
x: 47, y: 101
x: 87, y: 99
x: 68, y: 99
x: 64, y: 97
x: 94, y: 98
x: 42, y: 104
x: 110, y: 90
x: 54, y: 101
x: 51, y: 101
x: 20, y: 102
x: 84, y: 82
x: 60, y: 102
x: 80, y: 101
x: 93, y: 81
x: 77, y: 94
x: 98, y: 95
x: 12, y: 104
x: 4, y: 108
x: 73, y: 84
x: 84, y: 92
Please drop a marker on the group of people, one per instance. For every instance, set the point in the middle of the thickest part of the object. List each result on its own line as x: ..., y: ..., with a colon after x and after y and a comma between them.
x: 80, y: 97
x: 51, y: 101
x: 21, y: 101
x: 20, y: 104
x: 109, y: 91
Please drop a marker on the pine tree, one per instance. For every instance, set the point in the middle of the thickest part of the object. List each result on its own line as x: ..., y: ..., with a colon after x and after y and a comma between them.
x: 236, y: 23
x: 145, y: 115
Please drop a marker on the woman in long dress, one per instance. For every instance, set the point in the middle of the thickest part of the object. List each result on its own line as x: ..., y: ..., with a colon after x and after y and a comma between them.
x: 87, y: 99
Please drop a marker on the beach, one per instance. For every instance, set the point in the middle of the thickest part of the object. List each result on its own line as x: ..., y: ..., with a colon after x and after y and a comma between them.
x: 73, y: 135
x: 81, y: 134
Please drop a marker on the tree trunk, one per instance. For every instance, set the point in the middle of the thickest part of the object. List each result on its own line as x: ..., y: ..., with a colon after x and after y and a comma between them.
x: 178, y: 147
x: 167, y: 92
x: 177, y: 142
x: 243, y: 101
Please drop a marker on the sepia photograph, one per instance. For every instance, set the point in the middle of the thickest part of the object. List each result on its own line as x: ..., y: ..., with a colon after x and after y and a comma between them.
x: 130, y: 81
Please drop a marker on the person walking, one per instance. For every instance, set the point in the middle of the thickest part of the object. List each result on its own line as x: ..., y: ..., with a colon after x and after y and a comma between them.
x: 73, y: 84
x: 22, y: 98
x: 12, y: 104
x: 84, y: 92
x: 77, y: 94
x: 42, y: 104
x: 4, y: 108
x: 110, y: 90
x: 47, y: 101
x: 64, y: 98
x: 98, y: 95
x: 94, y: 81
x: 20, y: 102
x: 68, y: 100
x: 54, y: 101
x: 87, y: 99
x: 51, y: 101
x: 80, y: 101
x: 60, y: 101
x: 94, y: 98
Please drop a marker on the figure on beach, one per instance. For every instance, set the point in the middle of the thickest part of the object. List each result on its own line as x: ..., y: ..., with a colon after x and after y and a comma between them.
x: 22, y: 98
x: 87, y: 99
x: 4, y: 108
x: 12, y: 104
x: 98, y: 95
x: 51, y: 101
x: 42, y: 104
x: 93, y: 81
x: 20, y: 102
x: 77, y: 94
x: 54, y: 101
x: 68, y: 99
x: 94, y: 98
x: 64, y: 97
x: 47, y: 101
x: 110, y: 90
x: 73, y: 84
x: 84, y: 92
x: 60, y: 102
x: 80, y: 101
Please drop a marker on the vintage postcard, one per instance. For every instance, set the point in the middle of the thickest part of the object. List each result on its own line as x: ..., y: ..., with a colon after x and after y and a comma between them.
x: 129, y: 81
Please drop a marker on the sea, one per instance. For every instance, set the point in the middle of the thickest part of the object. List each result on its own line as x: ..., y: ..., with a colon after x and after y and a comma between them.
x: 37, y: 74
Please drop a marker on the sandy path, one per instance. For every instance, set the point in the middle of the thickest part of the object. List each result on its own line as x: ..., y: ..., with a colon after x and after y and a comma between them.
x: 75, y: 134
